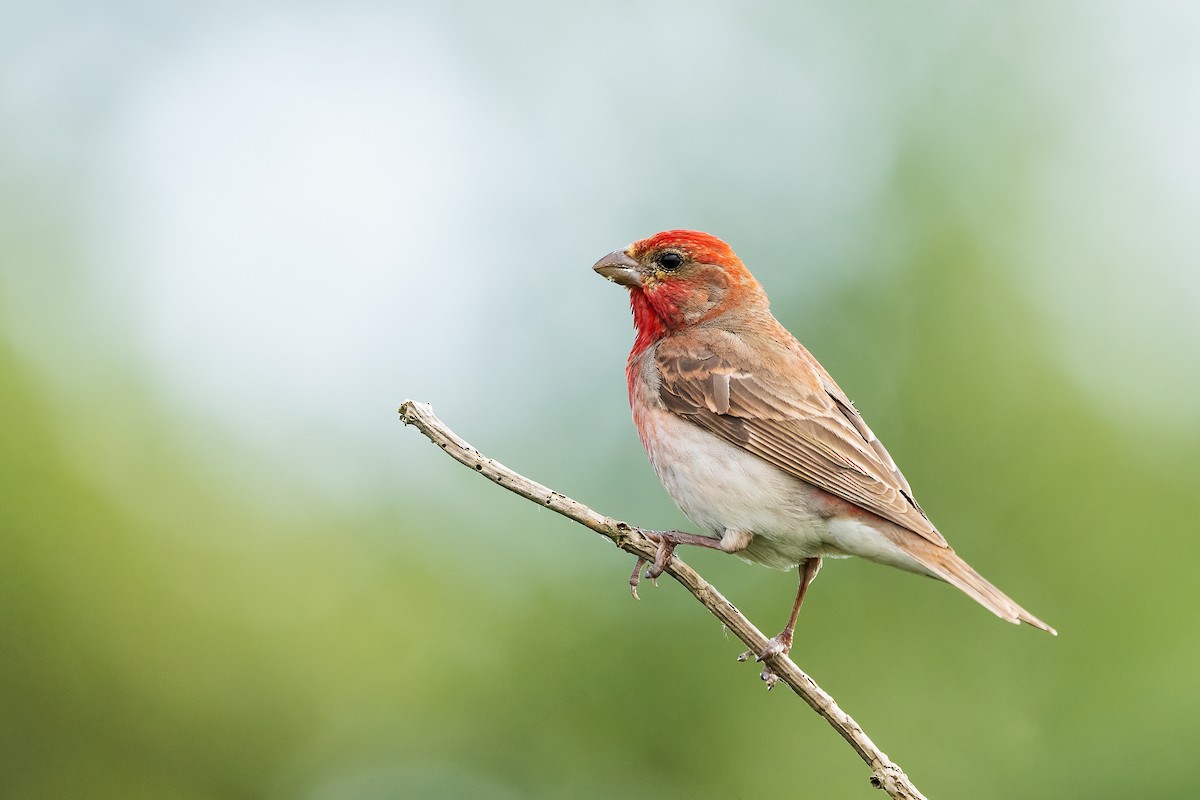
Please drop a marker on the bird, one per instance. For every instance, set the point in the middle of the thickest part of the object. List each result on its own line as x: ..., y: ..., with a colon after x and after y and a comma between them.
x: 754, y: 440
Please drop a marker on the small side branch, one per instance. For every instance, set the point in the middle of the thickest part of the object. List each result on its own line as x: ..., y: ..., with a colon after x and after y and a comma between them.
x: 885, y: 773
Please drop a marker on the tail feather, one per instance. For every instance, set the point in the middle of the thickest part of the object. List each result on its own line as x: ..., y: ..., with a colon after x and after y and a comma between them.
x: 945, y: 564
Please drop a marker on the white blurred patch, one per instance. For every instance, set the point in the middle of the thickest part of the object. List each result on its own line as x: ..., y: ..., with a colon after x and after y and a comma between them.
x: 285, y: 217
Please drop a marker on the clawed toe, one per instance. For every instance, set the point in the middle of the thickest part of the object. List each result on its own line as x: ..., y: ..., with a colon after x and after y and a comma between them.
x: 777, y: 646
x: 636, y: 578
x: 666, y: 549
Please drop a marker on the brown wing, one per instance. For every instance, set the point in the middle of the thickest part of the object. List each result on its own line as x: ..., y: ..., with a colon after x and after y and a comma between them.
x: 810, y: 430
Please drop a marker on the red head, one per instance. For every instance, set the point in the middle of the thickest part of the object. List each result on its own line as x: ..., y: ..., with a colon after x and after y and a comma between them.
x: 679, y: 278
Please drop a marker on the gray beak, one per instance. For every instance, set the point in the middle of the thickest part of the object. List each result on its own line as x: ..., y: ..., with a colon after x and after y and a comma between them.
x: 618, y: 267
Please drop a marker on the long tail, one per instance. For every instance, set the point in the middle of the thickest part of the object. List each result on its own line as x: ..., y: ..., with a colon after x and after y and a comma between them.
x: 944, y: 563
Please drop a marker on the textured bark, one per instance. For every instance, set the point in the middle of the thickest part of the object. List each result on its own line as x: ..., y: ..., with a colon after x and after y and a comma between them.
x: 885, y: 773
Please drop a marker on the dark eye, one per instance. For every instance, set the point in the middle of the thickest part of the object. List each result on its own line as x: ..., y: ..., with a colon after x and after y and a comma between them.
x: 670, y: 261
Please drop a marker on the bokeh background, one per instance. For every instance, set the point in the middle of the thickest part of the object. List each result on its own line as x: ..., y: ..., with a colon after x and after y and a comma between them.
x: 233, y: 237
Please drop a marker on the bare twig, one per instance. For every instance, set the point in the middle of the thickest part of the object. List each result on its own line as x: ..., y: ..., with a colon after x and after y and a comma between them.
x: 885, y: 773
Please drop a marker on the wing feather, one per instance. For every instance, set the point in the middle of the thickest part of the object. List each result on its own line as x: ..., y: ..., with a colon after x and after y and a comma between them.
x: 809, y: 429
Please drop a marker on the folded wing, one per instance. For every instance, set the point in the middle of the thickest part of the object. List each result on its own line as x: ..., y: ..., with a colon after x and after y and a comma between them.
x: 810, y: 429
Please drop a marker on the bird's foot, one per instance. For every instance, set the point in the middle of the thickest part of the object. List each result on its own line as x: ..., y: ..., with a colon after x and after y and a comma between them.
x: 779, y: 645
x: 667, y: 542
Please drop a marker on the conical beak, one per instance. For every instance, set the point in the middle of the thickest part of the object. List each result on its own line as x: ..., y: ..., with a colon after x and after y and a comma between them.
x: 618, y: 267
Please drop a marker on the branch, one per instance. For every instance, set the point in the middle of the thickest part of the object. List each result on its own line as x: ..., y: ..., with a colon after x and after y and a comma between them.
x: 885, y: 773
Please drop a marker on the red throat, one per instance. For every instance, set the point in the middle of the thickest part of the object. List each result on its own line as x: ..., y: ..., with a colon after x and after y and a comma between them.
x: 650, y: 328
x: 647, y: 320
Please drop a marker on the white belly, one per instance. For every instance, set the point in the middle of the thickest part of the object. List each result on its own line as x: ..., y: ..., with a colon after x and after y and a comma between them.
x: 722, y: 488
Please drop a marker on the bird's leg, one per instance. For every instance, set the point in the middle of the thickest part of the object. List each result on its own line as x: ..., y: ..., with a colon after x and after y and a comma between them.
x: 667, y: 542
x: 782, y: 644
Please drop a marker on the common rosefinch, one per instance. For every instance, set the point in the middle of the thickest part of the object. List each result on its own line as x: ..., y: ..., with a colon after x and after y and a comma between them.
x: 753, y: 439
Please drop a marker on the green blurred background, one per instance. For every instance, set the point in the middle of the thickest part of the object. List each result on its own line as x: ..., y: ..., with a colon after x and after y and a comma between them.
x: 233, y: 237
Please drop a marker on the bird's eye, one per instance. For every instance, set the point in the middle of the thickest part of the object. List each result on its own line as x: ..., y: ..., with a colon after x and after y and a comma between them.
x: 670, y: 261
